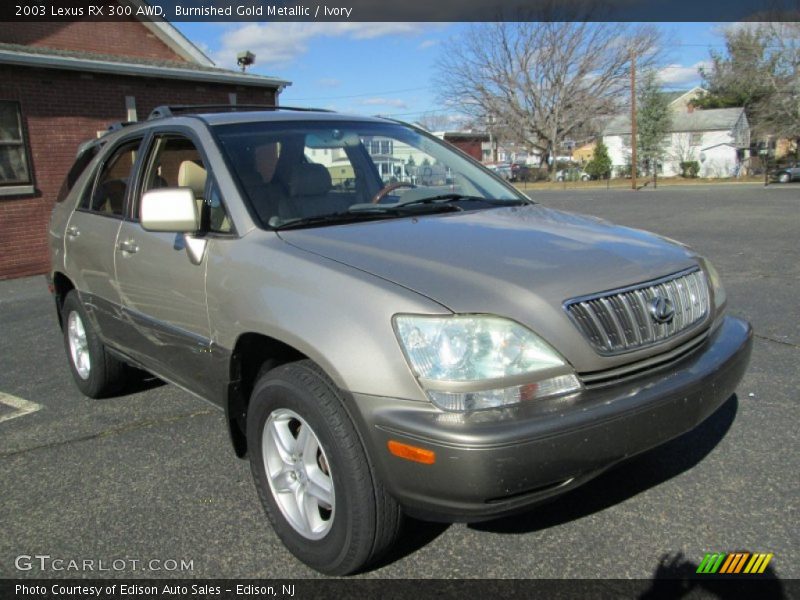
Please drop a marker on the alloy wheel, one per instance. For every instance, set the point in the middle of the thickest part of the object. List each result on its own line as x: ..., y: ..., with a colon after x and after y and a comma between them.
x: 298, y: 473
x: 78, y: 345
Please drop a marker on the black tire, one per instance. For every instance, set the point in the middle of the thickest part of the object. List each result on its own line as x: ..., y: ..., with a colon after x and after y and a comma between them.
x: 366, y: 520
x: 106, y: 374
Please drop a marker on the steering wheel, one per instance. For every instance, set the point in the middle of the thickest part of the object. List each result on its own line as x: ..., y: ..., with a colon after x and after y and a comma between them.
x: 384, y: 191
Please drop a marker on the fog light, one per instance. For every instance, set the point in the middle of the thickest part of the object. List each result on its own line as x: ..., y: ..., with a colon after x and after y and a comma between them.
x: 496, y: 398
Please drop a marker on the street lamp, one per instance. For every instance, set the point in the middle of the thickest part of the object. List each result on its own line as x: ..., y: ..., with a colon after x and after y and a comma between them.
x: 245, y: 59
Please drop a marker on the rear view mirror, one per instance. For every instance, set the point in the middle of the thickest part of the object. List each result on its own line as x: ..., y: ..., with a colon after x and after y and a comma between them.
x: 334, y: 138
x: 170, y: 209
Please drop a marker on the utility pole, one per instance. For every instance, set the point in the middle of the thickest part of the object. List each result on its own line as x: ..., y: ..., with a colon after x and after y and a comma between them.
x: 633, y: 119
x: 492, y: 138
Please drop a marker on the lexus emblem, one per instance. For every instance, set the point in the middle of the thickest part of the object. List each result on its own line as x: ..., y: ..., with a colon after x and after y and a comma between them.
x: 661, y: 309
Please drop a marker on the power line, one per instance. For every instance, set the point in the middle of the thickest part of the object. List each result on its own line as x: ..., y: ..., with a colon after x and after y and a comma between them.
x: 416, y: 89
x: 374, y: 93
x: 409, y: 114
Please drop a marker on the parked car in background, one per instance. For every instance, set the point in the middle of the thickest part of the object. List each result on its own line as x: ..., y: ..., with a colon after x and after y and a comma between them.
x: 572, y: 174
x: 519, y: 172
x: 502, y: 170
x: 450, y: 351
x: 787, y: 173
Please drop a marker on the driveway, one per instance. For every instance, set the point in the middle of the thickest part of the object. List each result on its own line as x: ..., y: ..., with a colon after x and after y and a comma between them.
x: 150, y: 475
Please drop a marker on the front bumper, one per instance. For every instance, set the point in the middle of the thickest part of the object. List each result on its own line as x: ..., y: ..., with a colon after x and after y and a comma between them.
x: 493, y: 462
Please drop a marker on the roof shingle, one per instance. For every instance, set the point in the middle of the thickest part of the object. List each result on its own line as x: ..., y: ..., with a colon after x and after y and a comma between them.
x: 112, y: 59
x: 716, y: 119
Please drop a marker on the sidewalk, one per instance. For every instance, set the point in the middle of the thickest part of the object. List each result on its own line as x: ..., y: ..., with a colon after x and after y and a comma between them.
x: 621, y: 184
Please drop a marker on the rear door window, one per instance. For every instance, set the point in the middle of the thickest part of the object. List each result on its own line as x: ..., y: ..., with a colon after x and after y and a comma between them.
x: 85, y: 157
x: 108, y: 194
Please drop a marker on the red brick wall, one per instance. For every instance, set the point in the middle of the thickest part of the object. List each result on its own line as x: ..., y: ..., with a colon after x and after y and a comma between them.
x: 471, y: 147
x: 60, y: 109
x: 123, y: 38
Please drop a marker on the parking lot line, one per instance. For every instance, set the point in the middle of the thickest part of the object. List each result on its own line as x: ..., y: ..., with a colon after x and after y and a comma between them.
x: 21, y: 406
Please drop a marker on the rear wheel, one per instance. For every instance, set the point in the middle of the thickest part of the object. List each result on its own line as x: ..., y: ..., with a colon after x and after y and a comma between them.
x: 312, y: 473
x: 784, y: 178
x: 96, y: 373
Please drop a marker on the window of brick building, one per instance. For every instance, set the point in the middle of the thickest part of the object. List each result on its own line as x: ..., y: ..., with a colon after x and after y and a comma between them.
x: 14, y: 168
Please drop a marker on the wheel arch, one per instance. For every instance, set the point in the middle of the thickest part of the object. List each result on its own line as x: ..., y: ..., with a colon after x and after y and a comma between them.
x: 62, y: 285
x: 253, y: 354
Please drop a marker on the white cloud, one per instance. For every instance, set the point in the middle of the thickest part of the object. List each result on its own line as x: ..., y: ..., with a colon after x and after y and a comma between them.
x: 329, y: 82
x: 424, y: 45
x: 279, y: 44
x: 676, y: 74
x: 393, y: 102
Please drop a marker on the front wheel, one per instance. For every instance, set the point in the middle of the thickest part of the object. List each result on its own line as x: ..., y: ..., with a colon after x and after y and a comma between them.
x: 312, y: 473
x: 784, y: 178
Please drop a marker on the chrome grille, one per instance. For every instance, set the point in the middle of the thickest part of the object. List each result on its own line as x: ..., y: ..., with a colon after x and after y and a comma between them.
x: 620, y: 320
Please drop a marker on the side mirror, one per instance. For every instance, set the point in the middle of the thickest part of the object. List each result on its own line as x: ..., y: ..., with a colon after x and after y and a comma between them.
x: 170, y: 209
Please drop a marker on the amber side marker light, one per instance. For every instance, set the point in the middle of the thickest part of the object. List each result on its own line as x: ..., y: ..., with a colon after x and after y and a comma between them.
x: 420, y: 455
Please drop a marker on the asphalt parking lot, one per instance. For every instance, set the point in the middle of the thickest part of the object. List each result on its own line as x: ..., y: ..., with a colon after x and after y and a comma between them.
x: 150, y: 475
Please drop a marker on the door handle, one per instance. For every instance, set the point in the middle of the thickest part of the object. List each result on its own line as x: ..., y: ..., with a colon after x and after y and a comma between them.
x: 128, y: 246
x: 73, y: 232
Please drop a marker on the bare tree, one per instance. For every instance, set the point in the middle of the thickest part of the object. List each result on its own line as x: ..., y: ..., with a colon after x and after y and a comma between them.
x: 434, y: 121
x: 682, y: 148
x: 682, y: 151
x: 543, y: 81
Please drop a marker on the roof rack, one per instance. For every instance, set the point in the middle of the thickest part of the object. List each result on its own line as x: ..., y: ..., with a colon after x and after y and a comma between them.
x: 100, y: 139
x: 161, y: 112
x: 119, y: 125
x: 86, y: 144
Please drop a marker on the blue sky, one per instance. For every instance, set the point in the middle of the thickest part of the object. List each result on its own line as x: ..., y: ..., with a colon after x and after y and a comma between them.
x: 387, y: 68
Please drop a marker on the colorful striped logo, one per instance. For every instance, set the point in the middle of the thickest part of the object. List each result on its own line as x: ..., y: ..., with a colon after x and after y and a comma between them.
x: 734, y: 563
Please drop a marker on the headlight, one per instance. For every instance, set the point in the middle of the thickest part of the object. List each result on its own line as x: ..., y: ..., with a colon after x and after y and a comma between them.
x: 720, y: 297
x: 470, y: 362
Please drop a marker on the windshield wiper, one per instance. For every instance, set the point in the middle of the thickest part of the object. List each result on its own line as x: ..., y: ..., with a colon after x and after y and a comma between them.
x: 358, y: 212
x: 444, y: 199
x: 456, y: 197
x: 278, y: 224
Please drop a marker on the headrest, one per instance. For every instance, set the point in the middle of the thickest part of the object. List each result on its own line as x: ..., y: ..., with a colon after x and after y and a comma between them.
x: 309, y: 180
x: 193, y: 176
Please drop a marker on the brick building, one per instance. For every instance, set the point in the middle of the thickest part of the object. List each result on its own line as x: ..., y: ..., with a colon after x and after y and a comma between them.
x: 62, y: 83
x: 467, y: 142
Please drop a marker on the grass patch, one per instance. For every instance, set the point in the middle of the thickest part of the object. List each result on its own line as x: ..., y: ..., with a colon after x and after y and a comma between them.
x: 619, y: 183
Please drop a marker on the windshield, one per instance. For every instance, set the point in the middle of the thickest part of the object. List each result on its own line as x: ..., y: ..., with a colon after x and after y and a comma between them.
x: 325, y: 172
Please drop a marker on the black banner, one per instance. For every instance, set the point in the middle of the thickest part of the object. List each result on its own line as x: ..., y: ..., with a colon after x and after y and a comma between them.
x: 702, y: 586
x: 407, y: 10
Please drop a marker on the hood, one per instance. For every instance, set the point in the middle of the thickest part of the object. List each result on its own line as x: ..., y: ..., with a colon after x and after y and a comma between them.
x: 517, y: 262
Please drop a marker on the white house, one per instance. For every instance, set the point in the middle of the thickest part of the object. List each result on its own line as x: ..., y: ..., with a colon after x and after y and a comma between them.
x: 718, y: 139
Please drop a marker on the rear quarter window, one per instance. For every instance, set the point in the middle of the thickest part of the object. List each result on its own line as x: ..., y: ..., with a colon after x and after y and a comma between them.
x: 79, y: 166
